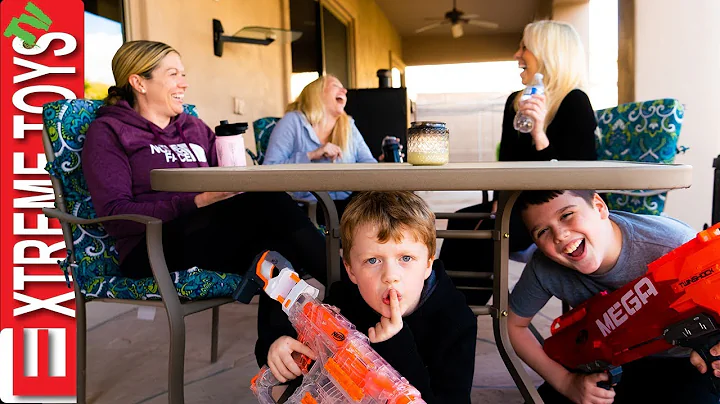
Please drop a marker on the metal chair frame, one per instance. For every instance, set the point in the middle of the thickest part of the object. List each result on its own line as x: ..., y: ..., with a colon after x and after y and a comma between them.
x: 176, y: 310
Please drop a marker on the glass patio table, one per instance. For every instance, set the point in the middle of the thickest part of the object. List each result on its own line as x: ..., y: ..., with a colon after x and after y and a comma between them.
x: 501, y: 176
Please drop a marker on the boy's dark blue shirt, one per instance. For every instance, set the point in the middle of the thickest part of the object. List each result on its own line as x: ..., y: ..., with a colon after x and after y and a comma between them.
x: 434, y: 351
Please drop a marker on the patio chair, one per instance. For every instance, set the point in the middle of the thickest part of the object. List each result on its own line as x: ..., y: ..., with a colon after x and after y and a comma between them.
x: 93, y: 261
x: 645, y: 131
x: 262, y: 128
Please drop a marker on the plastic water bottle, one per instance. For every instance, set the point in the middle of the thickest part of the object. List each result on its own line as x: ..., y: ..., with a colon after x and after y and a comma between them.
x: 524, y: 123
x: 229, y: 143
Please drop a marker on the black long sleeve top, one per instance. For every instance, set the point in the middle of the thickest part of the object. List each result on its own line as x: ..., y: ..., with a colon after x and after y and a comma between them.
x: 571, y: 133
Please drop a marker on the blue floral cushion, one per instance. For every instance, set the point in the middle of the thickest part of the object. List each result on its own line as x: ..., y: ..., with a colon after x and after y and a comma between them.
x: 95, y: 261
x: 262, y: 128
x: 639, y: 131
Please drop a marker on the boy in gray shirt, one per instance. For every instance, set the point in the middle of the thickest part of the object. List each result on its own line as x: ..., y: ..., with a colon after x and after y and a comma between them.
x: 584, y: 249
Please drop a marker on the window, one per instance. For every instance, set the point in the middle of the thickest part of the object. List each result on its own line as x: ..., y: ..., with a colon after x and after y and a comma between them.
x: 103, y: 36
x: 324, y: 46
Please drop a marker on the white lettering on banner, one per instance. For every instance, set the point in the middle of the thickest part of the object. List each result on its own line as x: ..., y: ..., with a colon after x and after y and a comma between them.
x: 34, y: 202
x: 44, y: 250
x: 49, y: 304
x: 57, y: 357
x: 630, y: 303
x: 19, y: 278
x: 42, y: 44
x: 38, y: 70
x: 43, y: 226
x: 19, y: 164
x: 18, y: 99
x: 37, y: 312
x: 19, y: 126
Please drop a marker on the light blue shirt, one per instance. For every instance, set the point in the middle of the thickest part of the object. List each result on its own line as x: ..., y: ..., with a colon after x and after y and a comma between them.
x: 292, y: 139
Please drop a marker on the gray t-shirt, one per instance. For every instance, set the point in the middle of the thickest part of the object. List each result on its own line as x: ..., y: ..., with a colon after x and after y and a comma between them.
x: 645, y: 238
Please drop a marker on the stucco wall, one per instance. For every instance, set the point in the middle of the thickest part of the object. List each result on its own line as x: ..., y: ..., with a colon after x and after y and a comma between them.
x: 375, y: 37
x: 578, y: 15
x: 682, y: 62
x: 258, y: 75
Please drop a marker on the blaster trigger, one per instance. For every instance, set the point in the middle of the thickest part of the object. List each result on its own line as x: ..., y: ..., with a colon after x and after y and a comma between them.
x: 614, y: 374
x: 303, y: 361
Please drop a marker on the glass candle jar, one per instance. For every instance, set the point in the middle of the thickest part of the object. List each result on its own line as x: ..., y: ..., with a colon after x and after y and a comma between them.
x: 428, y: 144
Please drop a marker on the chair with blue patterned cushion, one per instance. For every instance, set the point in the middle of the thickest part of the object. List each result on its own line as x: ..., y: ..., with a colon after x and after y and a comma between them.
x: 645, y: 131
x: 262, y: 128
x: 93, y: 261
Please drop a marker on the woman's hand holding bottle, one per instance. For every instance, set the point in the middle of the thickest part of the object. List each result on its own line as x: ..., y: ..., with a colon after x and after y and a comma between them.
x: 535, y: 108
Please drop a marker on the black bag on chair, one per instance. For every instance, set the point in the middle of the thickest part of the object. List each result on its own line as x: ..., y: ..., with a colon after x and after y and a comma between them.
x: 470, y: 255
x: 478, y: 255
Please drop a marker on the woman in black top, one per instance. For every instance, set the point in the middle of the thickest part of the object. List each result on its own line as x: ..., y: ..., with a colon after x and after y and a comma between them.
x: 564, y: 130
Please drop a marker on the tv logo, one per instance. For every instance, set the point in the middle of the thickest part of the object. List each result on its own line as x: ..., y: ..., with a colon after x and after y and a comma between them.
x: 44, y: 360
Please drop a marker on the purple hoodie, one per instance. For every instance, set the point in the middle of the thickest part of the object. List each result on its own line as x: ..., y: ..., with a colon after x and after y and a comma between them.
x: 120, y: 150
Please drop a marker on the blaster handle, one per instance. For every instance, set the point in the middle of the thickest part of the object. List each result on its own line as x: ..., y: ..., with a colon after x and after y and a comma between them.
x: 614, y: 374
x: 699, y: 333
x: 264, y: 382
x: 262, y: 385
x: 702, y: 347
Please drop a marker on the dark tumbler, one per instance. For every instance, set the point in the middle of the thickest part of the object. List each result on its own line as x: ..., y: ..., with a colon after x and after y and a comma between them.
x: 391, y: 150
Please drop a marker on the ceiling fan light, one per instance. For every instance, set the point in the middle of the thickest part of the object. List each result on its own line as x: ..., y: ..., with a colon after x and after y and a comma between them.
x: 457, y: 30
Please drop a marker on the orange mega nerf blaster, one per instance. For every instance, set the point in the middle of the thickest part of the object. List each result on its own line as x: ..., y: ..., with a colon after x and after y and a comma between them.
x: 677, y: 302
x: 347, y: 369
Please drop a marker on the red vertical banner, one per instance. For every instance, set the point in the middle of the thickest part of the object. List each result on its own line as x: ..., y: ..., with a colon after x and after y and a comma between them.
x: 41, y: 60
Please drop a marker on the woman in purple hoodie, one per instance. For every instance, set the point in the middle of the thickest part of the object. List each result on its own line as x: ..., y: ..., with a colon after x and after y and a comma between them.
x: 142, y: 127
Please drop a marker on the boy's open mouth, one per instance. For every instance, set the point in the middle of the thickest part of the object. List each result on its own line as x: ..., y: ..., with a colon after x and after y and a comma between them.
x: 386, y: 296
x: 575, y: 249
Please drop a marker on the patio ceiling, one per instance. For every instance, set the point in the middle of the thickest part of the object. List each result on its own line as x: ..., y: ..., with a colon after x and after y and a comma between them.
x: 511, y: 15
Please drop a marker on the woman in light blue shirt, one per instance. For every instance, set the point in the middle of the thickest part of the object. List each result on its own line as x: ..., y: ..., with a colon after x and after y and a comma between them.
x: 316, y: 129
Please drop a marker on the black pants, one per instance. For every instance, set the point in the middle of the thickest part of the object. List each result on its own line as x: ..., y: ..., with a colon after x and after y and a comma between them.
x: 227, y: 235
x: 653, y: 380
x: 478, y: 255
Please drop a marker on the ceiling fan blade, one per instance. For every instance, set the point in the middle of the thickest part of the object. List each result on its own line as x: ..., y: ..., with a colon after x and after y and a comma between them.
x: 470, y: 16
x: 431, y: 26
x: 484, y: 24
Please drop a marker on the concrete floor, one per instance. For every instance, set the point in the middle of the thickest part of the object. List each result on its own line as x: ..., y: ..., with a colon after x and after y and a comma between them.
x: 127, y: 355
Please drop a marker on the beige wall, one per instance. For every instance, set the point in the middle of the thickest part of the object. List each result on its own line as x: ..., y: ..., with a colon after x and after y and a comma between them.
x: 258, y: 75
x: 578, y: 15
x: 683, y: 63
x: 375, y: 38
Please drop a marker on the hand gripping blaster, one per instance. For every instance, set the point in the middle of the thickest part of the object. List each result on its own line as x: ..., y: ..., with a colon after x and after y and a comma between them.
x: 347, y: 369
x: 677, y: 302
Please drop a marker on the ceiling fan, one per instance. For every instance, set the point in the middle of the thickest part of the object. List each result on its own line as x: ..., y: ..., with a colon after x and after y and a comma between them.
x: 456, y: 19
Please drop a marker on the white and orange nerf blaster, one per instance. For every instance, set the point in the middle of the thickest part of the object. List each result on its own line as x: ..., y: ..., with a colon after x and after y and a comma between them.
x: 347, y: 369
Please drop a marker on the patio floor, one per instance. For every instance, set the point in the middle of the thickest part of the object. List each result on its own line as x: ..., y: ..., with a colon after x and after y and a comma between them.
x: 127, y: 356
